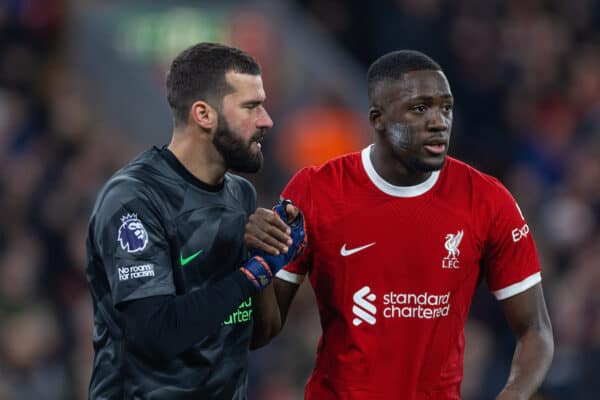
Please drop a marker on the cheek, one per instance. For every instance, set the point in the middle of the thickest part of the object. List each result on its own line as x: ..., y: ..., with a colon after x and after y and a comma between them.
x: 244, y: 126
x: 238, y: 127
x: 401, y: 135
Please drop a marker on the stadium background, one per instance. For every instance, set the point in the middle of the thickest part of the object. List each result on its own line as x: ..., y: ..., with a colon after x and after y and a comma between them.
x: 81, y: 92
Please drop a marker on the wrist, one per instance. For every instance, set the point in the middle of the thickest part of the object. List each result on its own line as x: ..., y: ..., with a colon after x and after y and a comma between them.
x: 257, y: 271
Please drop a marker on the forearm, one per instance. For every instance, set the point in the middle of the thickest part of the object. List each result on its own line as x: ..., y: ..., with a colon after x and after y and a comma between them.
x: 162, y: 327
x: 531, y: 360
x: 267, y: 319
x: 276, y: 238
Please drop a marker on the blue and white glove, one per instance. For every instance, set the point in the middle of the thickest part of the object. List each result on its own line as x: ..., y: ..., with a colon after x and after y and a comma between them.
x: 262, y: 266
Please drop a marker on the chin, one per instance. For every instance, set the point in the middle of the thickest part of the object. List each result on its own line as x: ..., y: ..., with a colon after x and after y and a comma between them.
x: 429, y: 165
x: 249, y: 166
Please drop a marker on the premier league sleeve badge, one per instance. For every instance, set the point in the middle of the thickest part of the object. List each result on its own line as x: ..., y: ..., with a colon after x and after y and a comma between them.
x: 132, y: 237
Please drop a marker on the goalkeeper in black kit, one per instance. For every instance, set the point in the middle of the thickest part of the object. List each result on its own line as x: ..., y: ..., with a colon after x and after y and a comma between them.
x: 178, y: 297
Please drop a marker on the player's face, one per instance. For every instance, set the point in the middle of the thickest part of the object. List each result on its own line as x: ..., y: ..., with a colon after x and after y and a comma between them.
x: 416, y: 119
x: 243, y: 123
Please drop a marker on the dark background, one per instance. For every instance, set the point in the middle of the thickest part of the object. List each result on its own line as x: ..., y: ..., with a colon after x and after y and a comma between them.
x: 81, y: 92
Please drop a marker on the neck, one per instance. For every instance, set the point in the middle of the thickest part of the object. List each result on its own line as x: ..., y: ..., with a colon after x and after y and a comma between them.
x: 393, y: 170
x: 196, y: 152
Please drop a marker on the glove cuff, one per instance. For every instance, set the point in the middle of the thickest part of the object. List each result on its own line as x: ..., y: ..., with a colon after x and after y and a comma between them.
x: 258, y: 272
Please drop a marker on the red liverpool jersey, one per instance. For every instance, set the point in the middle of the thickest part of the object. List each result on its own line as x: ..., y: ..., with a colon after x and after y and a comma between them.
x: 394, y: 270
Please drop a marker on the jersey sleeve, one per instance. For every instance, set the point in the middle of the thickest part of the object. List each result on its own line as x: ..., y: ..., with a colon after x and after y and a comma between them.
x: 511, y: 259
x: 298, y: 191
x: 132, y: 243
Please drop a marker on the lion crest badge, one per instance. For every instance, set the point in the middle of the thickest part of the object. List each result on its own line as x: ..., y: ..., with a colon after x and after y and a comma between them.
x: 132, y: 237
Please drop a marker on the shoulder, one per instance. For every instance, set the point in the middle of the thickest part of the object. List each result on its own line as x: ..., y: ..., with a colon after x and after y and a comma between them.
x: 132, y: 183
x: 486, y: 194
x: 329, y: 172
x: 241, y: 189
x: 461, y: 171
x: 317, y: 185
x: 237, y: 181
x: 126, y: 197
x: 239, y: 184
x: 339, y: 166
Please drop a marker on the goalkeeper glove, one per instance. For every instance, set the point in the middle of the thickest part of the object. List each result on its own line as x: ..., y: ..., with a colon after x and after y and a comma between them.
x: 262, y: 266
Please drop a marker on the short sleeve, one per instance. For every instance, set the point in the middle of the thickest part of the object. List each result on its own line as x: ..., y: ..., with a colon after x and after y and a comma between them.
x: 298, y: 191
x: 133, y: 245
x: 511, y: 259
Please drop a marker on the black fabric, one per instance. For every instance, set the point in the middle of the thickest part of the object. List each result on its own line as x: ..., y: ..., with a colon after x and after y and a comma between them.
x: 158, y: 232
x: 185, y: 174
x: 162, y: 327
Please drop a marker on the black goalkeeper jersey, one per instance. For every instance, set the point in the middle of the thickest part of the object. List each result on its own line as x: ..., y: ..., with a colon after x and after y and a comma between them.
x: 157, y: 230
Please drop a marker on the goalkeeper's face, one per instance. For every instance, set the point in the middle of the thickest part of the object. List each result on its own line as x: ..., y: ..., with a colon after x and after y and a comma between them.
x: 243, y: 123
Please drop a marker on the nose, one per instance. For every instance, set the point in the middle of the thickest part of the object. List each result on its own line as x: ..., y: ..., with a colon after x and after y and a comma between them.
x: 437, y: 121
x: 264, y: 120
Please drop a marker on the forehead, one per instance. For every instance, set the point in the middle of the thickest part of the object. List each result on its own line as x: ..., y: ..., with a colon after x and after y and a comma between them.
x: 245, y: 86
x: 415, y: 84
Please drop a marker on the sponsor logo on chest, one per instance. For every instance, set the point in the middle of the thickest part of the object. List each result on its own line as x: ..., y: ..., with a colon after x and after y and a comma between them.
x: 363, y: 308
x: 398, y: 305
x: 243, y: 314
x: 370, y: 306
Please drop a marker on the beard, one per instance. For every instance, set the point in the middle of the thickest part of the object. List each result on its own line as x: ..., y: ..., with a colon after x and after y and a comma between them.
x: 235, y: 151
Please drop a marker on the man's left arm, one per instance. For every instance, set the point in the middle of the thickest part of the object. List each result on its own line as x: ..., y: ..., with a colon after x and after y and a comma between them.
x: 528, y: 317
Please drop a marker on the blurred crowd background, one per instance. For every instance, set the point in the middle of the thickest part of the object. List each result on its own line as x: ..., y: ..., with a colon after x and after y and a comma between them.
x: 81, y: 92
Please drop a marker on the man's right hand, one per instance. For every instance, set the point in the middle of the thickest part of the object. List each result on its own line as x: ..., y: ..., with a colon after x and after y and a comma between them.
x: 266, y: 231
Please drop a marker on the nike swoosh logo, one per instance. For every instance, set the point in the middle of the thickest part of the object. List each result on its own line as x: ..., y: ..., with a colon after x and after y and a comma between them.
x: 348, y: 252
x: 185, y: 260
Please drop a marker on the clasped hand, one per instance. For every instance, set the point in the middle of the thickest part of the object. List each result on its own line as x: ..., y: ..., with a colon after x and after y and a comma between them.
x: 276, y: 237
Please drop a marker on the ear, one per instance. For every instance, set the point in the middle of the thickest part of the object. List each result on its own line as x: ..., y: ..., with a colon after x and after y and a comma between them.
x: 204, y: 115
x: 376, y: 118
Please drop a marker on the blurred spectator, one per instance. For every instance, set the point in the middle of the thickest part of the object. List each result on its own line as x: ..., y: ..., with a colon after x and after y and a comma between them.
x: 319, y: 132
x: 29, y: 344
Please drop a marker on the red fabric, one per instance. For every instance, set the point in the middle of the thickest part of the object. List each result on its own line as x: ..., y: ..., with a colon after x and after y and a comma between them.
x: 414, y: 348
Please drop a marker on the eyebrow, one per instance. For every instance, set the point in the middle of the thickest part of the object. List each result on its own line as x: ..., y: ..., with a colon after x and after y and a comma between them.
x: 431, y: 98
x: 253, y: 102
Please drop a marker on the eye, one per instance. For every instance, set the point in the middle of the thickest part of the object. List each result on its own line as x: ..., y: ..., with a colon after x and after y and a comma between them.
x: 421, y: 109
x: 448, y: 107
x: 251, y: 105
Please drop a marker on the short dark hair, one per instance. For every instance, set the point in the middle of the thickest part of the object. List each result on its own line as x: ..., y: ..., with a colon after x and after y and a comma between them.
x: 392, y: 66
x: 198, y: 73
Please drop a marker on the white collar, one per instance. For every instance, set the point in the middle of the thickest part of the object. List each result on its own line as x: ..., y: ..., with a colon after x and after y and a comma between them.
x: 388, y: 188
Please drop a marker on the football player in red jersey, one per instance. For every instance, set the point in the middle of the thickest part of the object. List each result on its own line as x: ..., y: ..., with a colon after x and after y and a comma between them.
x: 399, y: 236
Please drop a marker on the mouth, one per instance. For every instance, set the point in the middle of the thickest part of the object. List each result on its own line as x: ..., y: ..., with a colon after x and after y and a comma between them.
x: 436, y: 147
x: 257, y: 140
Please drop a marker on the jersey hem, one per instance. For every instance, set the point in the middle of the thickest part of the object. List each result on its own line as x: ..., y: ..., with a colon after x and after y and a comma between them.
x: 518, y: 287
x: 289, y: 276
